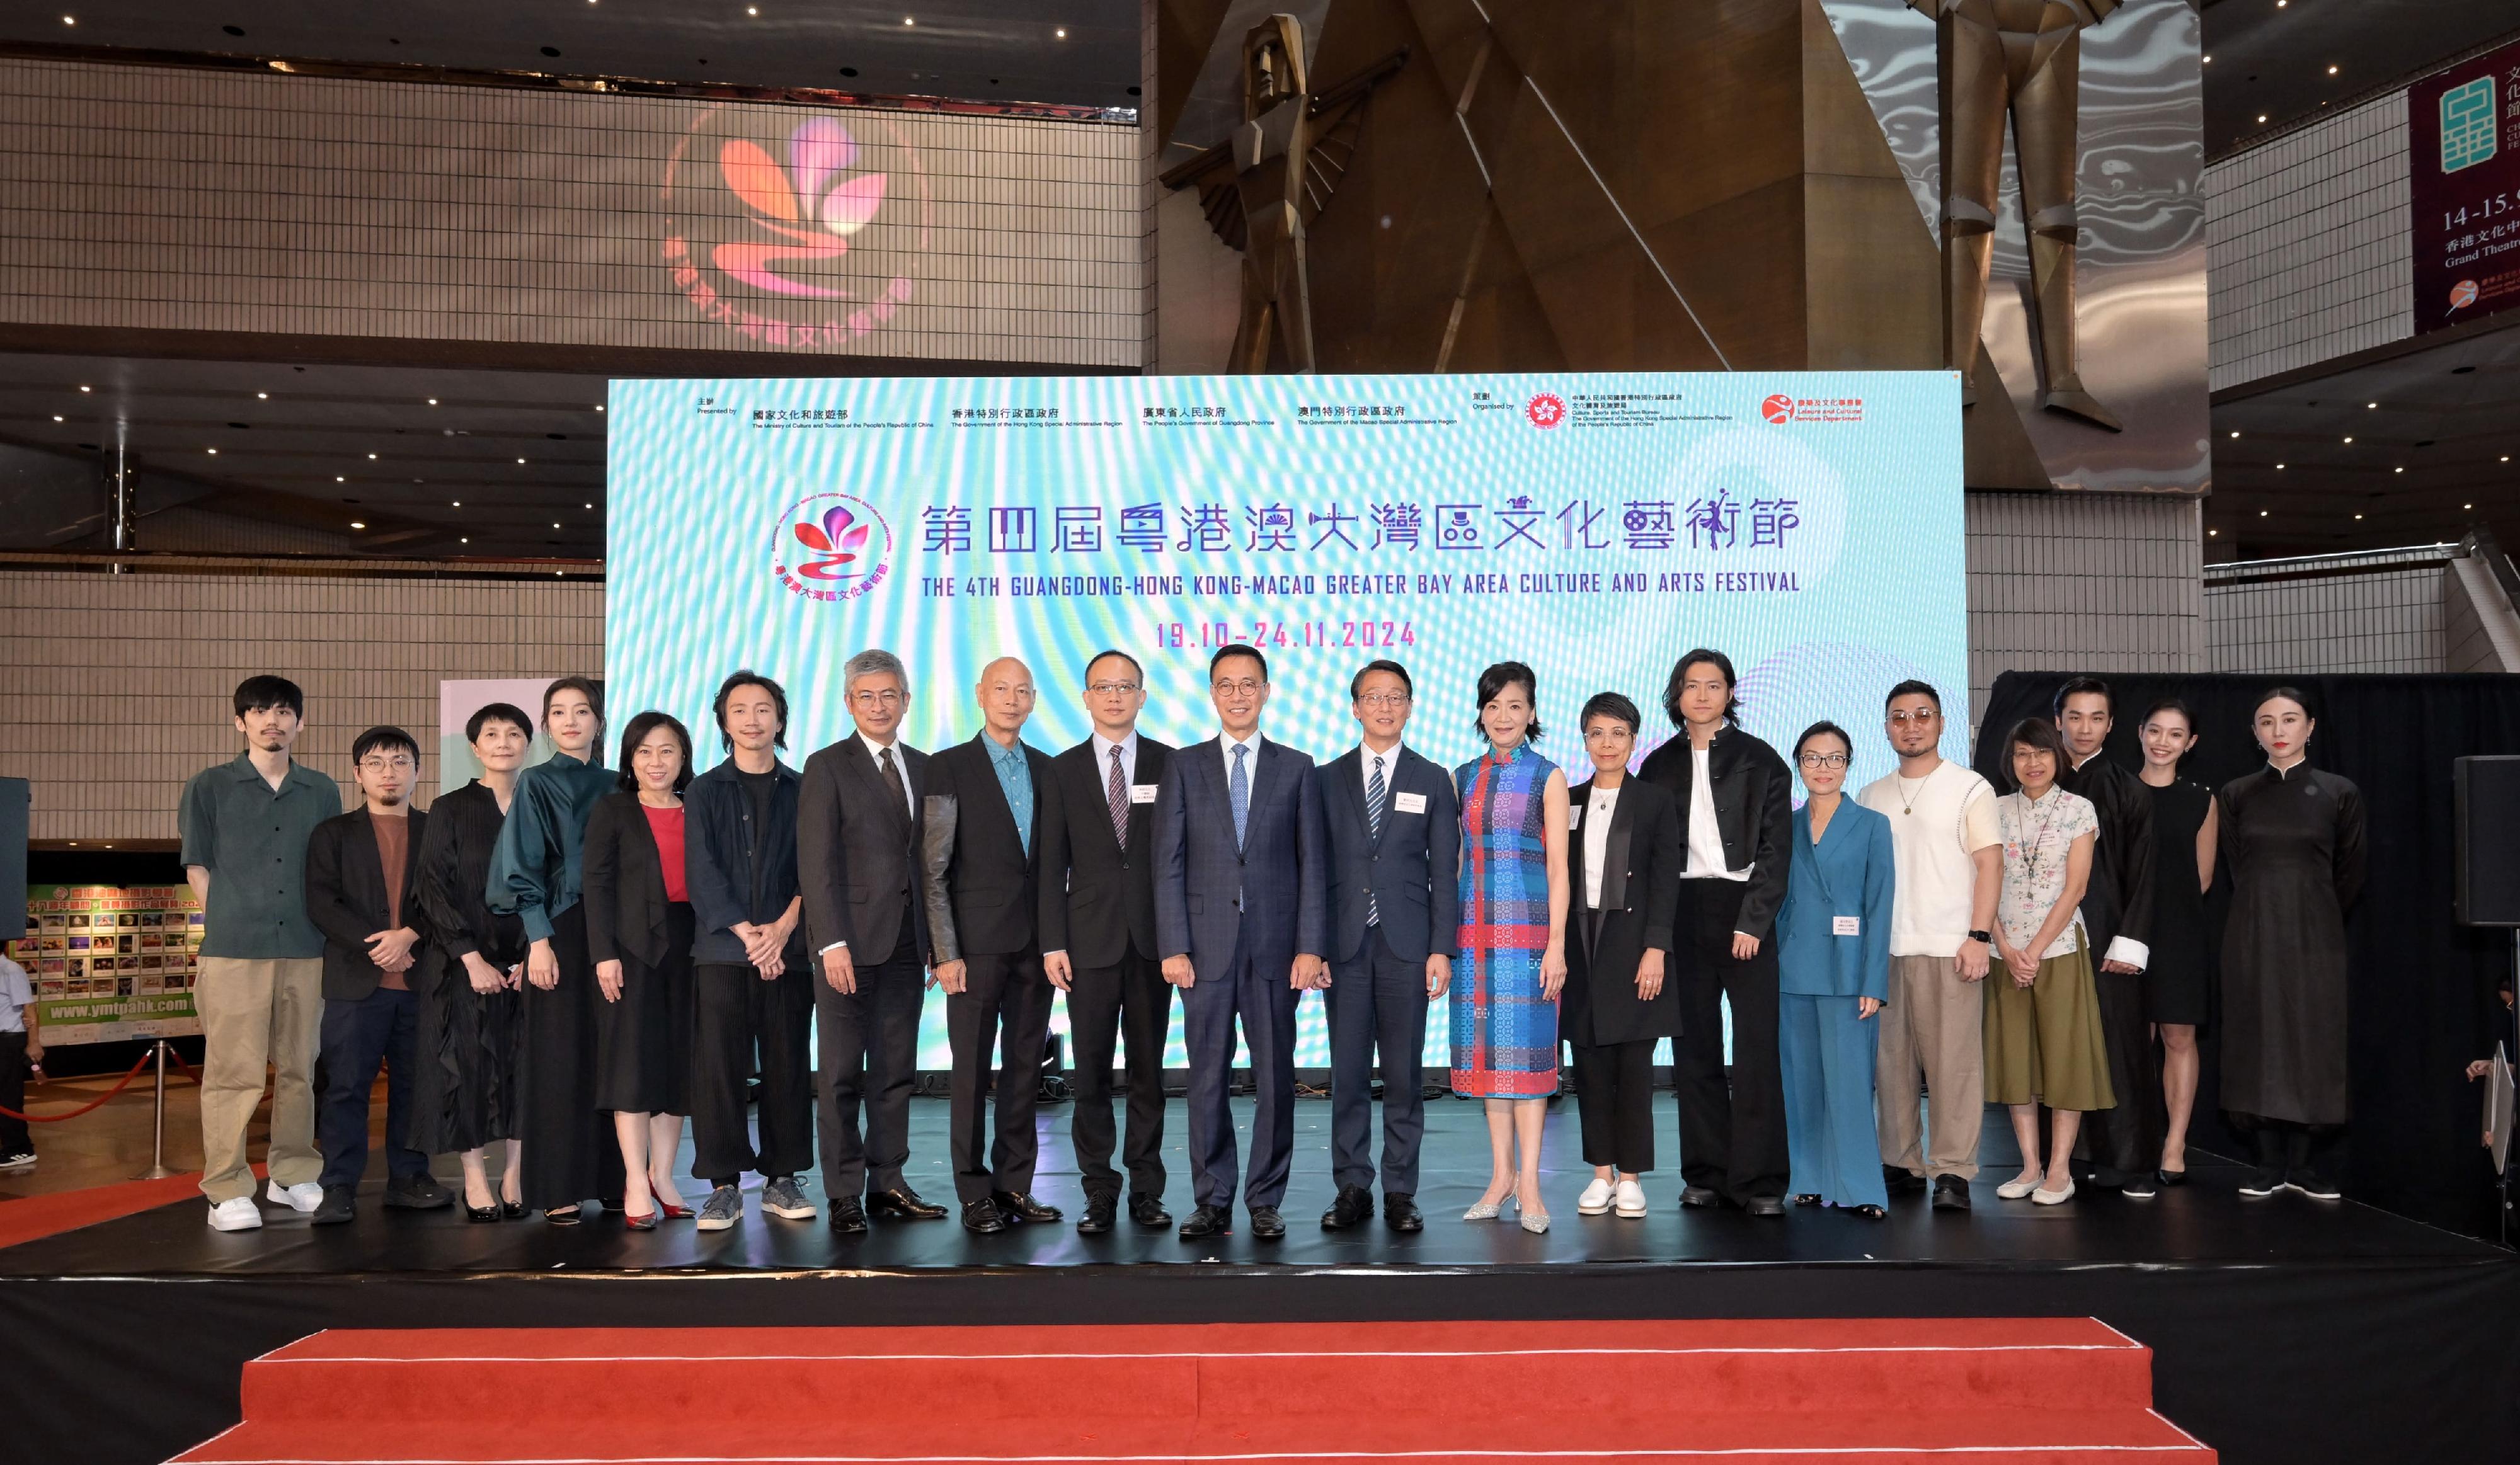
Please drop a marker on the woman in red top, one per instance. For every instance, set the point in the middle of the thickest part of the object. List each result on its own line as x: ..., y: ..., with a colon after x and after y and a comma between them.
x: 639, y: 930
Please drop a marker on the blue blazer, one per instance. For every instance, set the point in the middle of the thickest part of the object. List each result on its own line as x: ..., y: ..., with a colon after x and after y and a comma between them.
x: 1413, y: 869
x: 1849, y: 873
x: 1273, y: 891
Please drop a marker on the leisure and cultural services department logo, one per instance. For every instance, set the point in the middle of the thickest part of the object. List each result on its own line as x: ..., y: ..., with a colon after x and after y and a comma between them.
x: 831, y: 547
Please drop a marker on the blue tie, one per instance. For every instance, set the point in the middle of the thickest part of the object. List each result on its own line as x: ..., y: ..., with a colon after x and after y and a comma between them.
x: 1373, y: 797
x: 1238, y: 791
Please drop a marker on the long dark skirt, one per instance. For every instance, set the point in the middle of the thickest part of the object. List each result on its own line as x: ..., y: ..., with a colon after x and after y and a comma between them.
x: 570, y: 1155
x: 643, y: 1042
x: 466, y: 1091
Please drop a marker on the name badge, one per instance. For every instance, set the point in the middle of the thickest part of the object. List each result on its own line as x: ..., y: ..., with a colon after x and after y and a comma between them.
x: 1574, y: 815
x: 1409, y: 803
x: 1142, y: 793
x: 1845, y: 925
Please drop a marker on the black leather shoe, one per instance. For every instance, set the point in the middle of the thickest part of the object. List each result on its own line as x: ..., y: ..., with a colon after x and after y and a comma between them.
x: 1019, y: 1205
x: 1400, y: 1213
x: 481, y: 1213
x: 1898, y: 1179
x: 981, y: 1218
x: 512, y: 1210
x: 1807, y: 1199
x: 901, y: 1203
x: 1764, y: 1205
x: 339, y: 1204
x: 1208, y: 1220
x: 1700, y: 1198
x: 848, y: 1217
x: 1354, y: 1207
x: 1099, y: 1213
x: 2170, y: 1177
x: 1950, y: 1193
x: 1148, y: 1210
x: 418, y: 1193
x: 1267, y: 1224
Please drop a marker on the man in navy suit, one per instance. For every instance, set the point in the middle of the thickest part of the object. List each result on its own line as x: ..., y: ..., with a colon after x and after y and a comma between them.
x: 1243, y: 919
x: 1395, y: 835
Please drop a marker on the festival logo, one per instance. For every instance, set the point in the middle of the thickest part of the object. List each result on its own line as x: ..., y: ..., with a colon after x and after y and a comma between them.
x: 804, y: 234
x: 832, y: 546
x: 1545, y: 411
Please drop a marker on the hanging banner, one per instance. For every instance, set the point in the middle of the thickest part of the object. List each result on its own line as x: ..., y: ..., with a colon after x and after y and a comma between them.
x: 2463, y: 190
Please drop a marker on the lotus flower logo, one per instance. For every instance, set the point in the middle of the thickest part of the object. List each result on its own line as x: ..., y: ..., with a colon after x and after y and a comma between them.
x: 809, y: 205
x: 837, y: 539
x: 832, y: 546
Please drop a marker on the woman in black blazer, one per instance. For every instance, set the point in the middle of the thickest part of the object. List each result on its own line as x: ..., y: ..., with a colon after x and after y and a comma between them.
x: 639, y: 930
x: 1622, y: 872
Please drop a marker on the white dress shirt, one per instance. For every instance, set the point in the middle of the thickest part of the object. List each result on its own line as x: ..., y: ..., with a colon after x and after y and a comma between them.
x: 1225, y: 747
x: 900, y: 764
x: 1597, y: 811
x: 1128, y: 748
x: 1389, y: 759
x: 1705, y: 835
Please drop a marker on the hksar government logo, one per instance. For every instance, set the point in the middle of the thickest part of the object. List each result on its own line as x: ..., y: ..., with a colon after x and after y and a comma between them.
x: 832, y: 546
x: 1545, y: 411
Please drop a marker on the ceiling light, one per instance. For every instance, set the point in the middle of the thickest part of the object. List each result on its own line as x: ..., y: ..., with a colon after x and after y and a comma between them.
x: 1062, y: 32
x: 58, y: 417
x: 555, y: 524
x: 2261, y: 514
x: 2468, y: 505
x: 2209, y: 60
x: 2397, y: 470
x: 590, y: 506
x: 2235, y: 434
x: 2210, y: 533
x: 2279, y: 467
x: 433, y: 401
x: 2262, y: 116
x: 752, y: 10
x: 372, y: 457
x: 521, y: 459
x: 2349, y: 438
x: 2331, y: 70
x: 88, y: 388
x: 337, y: 478
x: 356, y: 524
x: 906, y: 20
x: 599, y: 407
x: 2369, y: 405
x: 458, y: 503
x: 258, y: 396
x: 215, y: 452
x: 468, y: 539
x: 2357, y: 515
x: 70, y: 20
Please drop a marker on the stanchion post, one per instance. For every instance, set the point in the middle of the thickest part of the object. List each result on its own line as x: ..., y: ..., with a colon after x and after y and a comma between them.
x: 158, y: 1170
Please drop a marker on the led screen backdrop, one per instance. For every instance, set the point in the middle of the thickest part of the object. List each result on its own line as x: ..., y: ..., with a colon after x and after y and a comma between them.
x: 1593, y: 526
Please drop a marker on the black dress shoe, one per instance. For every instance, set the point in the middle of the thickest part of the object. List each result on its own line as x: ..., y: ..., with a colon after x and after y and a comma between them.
x: 1148, y: 1210
x: 481, y: 1213
x: 1208, y: 1220
x: 1019, y: 1205
x: 1898, y: 1179
x: 2170, y: 1177
x: 901, y: 1203
x: 418, y: 1193
x: 848, y: 1217
x: 1099, y: 1213
x: 1700, y: 1198
x: 1354, y: 1207
x: 981, y: 1218
x: 513, y: 1210
x: 1764, y: 1205
x: 339, y: 1204
x: 1807, y: 1199
x: 1400, y: 1213
x: 1950, y: 1193
x: 1267, y: 1224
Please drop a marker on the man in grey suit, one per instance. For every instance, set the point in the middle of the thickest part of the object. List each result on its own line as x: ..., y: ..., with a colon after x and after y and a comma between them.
x: 1241, y: 918
x: 858, y: 827
x: 1395, y: 835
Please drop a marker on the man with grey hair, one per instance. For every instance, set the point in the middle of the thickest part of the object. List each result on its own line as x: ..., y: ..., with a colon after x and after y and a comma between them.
x: 858, y: 832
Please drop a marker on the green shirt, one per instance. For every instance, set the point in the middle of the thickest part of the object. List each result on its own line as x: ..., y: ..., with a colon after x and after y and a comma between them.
x: 536, y: 866
x: 252, y: 840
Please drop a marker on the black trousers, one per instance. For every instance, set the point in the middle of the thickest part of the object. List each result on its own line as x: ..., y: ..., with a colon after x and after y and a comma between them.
x: 13, y: 1138
x: 867, y: 1057
x: 569, y: 1149
x: 1614, y: 1099
x: 1105, y: 1004
x: 1005, y: 1000
x: 2125, y: 1142
x: 1257, y: 996
x: 1377, y: 1001
x: 382, y: 1028
x: 736, y: 1013
x: 1731, y: 1132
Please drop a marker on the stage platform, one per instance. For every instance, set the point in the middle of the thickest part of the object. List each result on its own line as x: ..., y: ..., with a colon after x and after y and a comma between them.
x: 2283, y: 1328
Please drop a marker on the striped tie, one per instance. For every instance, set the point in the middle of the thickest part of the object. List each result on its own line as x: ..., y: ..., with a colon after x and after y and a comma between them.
x: 1118, y: 792
x: 1373, y: 796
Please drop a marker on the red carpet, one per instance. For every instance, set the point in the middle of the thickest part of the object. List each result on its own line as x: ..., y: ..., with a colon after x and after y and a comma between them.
x: 39, y: 1216
x: 1853, y: 1391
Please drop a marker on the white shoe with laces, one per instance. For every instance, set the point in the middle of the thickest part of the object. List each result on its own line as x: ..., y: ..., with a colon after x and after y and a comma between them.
x: 303, y: 1197
x: 1596, y: 1199
x: 236, y: 1213
x: 1630, y: 1200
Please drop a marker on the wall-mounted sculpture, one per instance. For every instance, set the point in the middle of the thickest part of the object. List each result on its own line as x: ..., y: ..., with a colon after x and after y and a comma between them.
x: 2022, y: 60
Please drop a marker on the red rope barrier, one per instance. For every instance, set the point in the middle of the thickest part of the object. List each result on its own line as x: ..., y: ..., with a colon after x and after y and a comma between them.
x: 100, y: 1101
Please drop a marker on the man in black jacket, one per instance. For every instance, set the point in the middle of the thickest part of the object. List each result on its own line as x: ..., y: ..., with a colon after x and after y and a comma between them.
x: 750, y: 981
x: 857, y: 863
x: 2123, y: 1143
x: 1098, y: 937
x: 1395, y: 838
x: 363, y: 893
x: 1732, y: 794
x: 981, y: 841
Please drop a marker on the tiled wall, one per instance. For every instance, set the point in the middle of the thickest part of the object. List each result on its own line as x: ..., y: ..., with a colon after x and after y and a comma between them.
x: 177, y: 198
x: 2306, y: 242
x: 2082, y: 582
x: 2384, y: 611
x: 115, y: 689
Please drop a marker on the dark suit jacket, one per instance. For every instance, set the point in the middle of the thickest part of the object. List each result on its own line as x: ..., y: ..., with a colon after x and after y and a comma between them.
x: 737, y: 872
x: 983, y: 883
x: 1272, y: 892
x: 624, y: 882
x: 1413, y: 869
x: 857, y: 853
x: 345, y: 899
x: 1098, y: 900
x: 1640, y: 898
x: 1753, y: 808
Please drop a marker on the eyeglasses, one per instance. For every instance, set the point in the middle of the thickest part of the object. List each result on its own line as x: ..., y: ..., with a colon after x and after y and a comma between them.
x: 398, y: 764
x: 1244, y: 685
x: 1923, y: 715
x: 1384, y: 699
x: 1823, y: 760
x: 1112, y: 688
x: 888, y: 697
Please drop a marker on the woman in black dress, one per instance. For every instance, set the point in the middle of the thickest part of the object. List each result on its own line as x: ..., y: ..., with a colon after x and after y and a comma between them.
x: 2293, y: 837
x: 2183, y: 870
x: 465, y: 1098
x: 639, y: 930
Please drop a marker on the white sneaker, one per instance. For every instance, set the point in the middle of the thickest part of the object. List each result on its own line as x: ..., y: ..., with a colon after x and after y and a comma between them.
x: 303, y: 1197
x: 1630, y: 1200
x: 239, y: 1213
x: 1596, y: 1199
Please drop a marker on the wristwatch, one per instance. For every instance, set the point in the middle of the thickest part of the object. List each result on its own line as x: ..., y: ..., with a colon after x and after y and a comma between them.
x: 1982, y: 938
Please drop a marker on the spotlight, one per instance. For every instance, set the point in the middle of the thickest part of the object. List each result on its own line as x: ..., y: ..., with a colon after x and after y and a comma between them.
x: 356, y: 524
x: 88, y: 388
x: 58, y: 417
x: 433, y: 401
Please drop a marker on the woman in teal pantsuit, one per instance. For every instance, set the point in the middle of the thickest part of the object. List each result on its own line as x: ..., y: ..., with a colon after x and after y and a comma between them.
x: 1833, y: 963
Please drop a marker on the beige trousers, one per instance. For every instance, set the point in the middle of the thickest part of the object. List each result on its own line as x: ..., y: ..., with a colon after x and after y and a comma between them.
x: 256, y: 1014
x: 1933, y: 1031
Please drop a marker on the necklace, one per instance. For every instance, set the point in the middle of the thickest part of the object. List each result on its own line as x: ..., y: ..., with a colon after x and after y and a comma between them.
x: 1907, y: 800
x: 2033, y: 848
